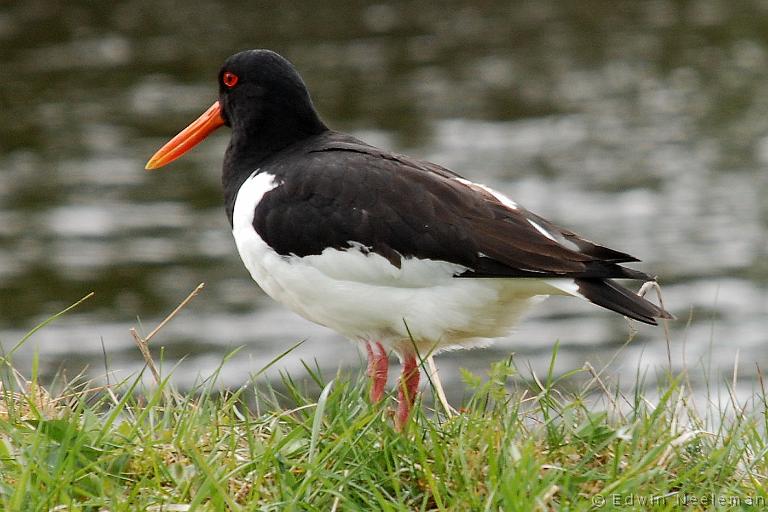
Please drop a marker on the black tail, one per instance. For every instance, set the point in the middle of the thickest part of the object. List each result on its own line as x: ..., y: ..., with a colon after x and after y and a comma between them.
x: 610, y: 295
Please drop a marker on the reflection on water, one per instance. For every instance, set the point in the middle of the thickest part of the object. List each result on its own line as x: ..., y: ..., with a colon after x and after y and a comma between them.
x: 643, y: 125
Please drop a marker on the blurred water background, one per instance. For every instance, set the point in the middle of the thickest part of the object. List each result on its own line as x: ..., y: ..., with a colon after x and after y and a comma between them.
x: 642, y: 125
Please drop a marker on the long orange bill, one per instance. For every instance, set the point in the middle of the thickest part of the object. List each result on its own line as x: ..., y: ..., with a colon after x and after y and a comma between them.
x: 188, y: 138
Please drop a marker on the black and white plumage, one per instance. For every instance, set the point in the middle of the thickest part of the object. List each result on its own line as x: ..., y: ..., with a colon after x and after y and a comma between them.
x: 380, y: 247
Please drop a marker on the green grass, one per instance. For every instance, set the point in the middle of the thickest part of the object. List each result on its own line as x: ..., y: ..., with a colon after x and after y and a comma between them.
x: 550, y: 443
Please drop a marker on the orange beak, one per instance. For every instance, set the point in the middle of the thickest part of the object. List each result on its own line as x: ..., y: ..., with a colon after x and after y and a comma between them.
x: 188, y: 138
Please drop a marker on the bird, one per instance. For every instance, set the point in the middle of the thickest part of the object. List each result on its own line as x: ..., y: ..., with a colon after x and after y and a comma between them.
x: 397, y: 254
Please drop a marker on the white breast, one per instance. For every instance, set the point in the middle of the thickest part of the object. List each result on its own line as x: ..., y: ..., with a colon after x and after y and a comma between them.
x: 364, y: 297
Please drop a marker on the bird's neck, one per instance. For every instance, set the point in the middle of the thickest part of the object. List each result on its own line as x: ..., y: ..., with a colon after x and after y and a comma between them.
x: 250, y: 148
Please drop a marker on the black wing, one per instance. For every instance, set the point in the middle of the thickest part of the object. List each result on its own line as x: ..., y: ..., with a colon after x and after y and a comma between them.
x: 338, y: 191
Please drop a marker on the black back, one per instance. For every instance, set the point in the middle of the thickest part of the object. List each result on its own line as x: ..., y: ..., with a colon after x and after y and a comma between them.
x: 336, y: 191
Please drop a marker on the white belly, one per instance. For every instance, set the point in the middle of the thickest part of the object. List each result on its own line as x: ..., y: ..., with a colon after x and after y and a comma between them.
x: 364, y: 297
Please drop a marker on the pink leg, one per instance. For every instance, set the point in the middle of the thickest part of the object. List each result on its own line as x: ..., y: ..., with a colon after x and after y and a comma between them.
x: 378, y: 366
x: 409, y: 385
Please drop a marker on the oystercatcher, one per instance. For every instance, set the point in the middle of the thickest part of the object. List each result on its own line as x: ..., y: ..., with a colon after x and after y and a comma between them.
x: 396, y: 253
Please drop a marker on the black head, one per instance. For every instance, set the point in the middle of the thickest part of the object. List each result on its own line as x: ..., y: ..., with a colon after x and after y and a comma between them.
x: 265, y: 102
x: 263, y: 98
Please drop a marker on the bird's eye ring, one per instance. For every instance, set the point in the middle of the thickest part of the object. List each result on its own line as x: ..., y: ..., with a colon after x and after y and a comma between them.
x: 229, y: 79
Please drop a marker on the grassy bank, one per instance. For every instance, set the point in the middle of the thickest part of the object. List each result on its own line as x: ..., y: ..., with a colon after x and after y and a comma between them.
x: 544, y: 445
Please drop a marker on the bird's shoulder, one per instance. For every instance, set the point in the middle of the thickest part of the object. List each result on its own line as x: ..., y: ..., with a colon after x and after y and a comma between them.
x: 333, y: 154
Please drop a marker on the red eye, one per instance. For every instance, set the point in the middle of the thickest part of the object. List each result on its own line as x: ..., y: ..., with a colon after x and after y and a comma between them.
x: 229, y: 79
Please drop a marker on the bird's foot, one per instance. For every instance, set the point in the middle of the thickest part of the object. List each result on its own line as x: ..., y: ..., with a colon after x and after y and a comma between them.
x: 409, y: 385
x: 378, y: 366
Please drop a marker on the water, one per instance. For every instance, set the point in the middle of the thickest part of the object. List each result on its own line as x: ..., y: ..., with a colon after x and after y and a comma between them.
x: 642, y: 125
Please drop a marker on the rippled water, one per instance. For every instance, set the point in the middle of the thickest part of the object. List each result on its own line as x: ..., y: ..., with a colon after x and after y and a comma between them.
x: 643, y: 125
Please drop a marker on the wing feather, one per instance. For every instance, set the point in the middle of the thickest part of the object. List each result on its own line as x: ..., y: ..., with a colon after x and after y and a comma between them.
x: 351, y: 194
